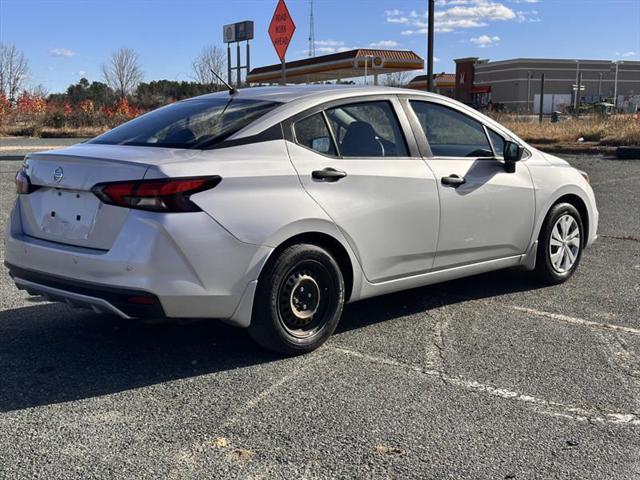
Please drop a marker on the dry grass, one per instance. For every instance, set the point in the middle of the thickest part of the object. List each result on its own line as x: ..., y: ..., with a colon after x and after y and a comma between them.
x: 49, y: 132
x: 614, y: 131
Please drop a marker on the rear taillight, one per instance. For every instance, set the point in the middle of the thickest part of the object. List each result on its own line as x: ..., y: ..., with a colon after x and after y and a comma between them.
x: 169, y: 195
x: 23, y: 184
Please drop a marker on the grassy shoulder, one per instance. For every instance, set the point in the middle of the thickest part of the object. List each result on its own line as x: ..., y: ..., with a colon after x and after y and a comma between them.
x: 614, y: 131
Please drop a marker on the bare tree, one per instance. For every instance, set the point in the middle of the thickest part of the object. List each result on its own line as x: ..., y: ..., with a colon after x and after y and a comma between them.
x: 14, y: 71
x: 397, y: 79
x: 123, y: 72
x: 213, y: 58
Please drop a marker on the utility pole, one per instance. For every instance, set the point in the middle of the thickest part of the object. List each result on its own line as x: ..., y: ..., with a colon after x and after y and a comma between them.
x: 600, y: 87
x: 541, y: 97
x: 312, y: 34
x: 432, y: 7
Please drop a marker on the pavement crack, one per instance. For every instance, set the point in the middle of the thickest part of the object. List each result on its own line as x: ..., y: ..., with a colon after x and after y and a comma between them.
x: 621, y: 237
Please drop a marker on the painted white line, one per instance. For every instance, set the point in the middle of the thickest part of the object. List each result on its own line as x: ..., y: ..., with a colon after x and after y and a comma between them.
x: 539, y: 404
x: 296, y: 371
x: 574, y: 320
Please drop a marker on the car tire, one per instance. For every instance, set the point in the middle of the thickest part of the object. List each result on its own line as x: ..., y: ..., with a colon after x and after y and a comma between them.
x: 560, y: 244
x: 299, y: 300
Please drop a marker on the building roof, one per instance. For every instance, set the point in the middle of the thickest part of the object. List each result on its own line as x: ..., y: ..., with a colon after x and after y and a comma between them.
x: 442, y: 80
x: 338, y: 66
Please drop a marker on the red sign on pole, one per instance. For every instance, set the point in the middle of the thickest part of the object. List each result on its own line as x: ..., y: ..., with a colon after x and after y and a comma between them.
x: 281, y: 29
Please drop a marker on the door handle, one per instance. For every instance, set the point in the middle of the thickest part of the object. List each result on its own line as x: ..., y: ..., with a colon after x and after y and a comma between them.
x: 328, y: 174
x: 453, y: 180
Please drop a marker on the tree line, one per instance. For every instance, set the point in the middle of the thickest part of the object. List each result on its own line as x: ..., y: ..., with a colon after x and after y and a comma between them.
x: 122, y: 78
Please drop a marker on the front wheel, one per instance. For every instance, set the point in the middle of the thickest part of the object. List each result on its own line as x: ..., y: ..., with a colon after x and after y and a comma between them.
x: 299, y: 300
x: 560, y: 244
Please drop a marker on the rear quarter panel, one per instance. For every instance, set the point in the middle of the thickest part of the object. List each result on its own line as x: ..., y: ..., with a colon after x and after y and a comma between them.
x: 260, y: 199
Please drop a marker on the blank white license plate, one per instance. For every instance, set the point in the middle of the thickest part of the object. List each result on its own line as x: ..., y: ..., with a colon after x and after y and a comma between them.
x: 67, y: 214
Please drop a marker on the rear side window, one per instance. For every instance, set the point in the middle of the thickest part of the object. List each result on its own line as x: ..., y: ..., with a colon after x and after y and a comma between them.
x: 196, y: 124
x: 367, y: 129
x: 451, y: 133
x: 312, y: 132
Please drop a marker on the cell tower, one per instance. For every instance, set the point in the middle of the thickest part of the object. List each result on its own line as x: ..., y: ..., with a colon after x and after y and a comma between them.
x: 312, y: 33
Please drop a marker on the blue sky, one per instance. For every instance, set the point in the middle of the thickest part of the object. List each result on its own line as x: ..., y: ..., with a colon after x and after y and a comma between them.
x: 64, y: 40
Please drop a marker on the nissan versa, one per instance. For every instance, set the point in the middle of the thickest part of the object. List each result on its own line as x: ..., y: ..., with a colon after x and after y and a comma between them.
x: 270, y: 208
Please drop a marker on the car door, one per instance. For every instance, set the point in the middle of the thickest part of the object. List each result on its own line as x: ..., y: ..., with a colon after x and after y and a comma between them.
x: 485, y: 212
x: 356, y: 160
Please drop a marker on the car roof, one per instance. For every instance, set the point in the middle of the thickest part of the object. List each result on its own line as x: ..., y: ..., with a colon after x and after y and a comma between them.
x: 289, y: 93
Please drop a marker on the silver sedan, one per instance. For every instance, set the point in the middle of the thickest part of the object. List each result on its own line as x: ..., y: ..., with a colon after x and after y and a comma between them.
x: 270, y: 208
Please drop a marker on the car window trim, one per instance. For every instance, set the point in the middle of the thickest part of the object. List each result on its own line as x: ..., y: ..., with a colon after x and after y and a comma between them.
x: 405, y: 129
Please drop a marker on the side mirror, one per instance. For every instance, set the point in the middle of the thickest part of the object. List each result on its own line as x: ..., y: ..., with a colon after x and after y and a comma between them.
x: 512, y: 154
x: 321, y: 144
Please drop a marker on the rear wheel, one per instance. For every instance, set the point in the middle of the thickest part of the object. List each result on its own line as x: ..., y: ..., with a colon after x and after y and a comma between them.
x: 560, y: 244
x: 299, y: 300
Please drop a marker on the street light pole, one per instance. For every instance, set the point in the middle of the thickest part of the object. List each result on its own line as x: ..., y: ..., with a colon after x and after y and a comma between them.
x: 432, y: 7
x: 575, y: 97
x: 615, y: 88
x: 529, y: 92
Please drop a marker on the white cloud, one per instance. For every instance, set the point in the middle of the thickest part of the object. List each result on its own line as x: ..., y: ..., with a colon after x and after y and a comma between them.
x: 628, y: 54
x: 385, y: 44
x: 80, y: 73
x: 525, y: 1
x: 397, y: 20
x: 62, y: 52
x: 453, y: 15
x: 330, y: 46
x: 484, y: 41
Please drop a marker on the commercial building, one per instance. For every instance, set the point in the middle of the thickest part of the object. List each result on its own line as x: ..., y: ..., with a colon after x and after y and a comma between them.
x: 514, y: 85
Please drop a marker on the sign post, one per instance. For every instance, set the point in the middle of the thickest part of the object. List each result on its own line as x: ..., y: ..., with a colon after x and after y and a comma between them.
x: 281, y: 31
x: 236, y: 33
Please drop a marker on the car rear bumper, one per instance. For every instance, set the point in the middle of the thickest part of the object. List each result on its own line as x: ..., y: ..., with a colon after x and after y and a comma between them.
x: 188, y: 263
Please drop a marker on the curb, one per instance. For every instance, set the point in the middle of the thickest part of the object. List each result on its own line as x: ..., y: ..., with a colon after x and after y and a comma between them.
x: 628, y: 153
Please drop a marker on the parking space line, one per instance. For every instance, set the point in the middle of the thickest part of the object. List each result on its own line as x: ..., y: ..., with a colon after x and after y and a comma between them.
x: 547, y: 407
x: 556, y: 316
x: 574, y: 320
x: 297, y: 370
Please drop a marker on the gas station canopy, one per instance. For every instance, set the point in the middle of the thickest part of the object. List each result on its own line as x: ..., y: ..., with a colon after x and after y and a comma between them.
x: 340, y: 66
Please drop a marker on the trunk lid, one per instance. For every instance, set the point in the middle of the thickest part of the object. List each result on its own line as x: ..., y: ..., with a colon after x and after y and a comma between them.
x: 64, y: 210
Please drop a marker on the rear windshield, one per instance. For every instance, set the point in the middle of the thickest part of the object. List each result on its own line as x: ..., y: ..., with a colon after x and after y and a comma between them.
x: 195, y: 124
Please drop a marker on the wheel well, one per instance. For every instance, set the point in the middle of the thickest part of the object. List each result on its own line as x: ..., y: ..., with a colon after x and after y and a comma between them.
x: 577, y: 202
x: 333, y: 246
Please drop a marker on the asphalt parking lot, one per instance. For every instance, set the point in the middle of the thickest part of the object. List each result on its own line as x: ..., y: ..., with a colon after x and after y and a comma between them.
x: 490, y: 377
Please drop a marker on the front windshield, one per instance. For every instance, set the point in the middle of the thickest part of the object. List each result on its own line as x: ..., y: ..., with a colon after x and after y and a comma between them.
x: 195, y: 124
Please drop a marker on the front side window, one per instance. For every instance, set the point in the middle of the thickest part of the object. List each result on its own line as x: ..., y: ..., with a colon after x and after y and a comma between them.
x: 497, y: 141
x: 451, y: 133
x: 367, y: 129
x: 195, y: 124
x: 312, y: 132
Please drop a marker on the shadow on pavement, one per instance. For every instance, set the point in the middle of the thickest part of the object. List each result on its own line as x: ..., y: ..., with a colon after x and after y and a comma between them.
x: 50, y: 353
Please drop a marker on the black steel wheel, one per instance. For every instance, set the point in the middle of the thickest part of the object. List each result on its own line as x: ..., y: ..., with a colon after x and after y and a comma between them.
x: 299, y: 300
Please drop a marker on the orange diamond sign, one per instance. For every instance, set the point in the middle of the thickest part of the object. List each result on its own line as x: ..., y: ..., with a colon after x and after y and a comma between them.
x: 281, y: 29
